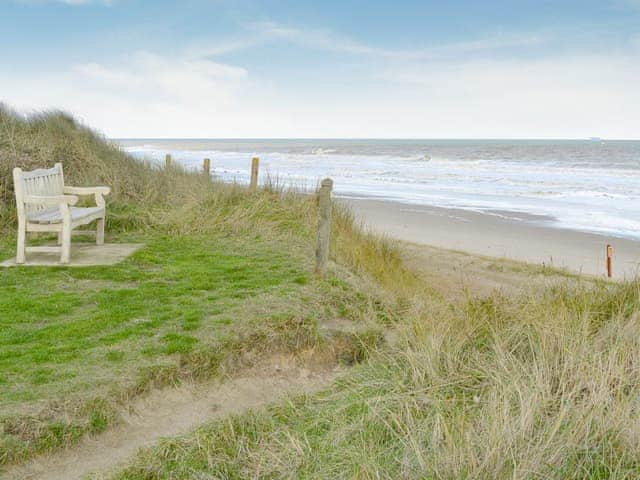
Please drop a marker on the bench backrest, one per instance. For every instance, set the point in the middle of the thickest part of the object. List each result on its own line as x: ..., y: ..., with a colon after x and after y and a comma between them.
x: 37, y: 182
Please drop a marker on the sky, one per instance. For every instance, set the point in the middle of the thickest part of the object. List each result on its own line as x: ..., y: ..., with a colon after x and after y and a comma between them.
x: 327, y: 69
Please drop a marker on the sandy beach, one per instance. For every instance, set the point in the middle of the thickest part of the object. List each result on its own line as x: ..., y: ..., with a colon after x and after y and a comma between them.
x: 509, y: 235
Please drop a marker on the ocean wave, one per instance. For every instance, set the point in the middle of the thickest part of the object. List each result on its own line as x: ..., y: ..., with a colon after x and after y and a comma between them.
x: 580, y: 193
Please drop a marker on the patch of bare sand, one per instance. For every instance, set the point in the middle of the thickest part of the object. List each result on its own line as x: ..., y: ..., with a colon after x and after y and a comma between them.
x: 458, y: 275
x: 82, y: 255
x: 502, y: 235
x: 174, y: 411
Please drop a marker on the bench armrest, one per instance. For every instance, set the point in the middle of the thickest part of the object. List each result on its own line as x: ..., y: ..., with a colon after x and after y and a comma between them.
x: 51, y: 199
x: 87, y: 190
x: 97, y: 193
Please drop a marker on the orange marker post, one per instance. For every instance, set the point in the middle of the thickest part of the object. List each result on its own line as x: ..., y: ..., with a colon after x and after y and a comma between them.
x: 609, y: 256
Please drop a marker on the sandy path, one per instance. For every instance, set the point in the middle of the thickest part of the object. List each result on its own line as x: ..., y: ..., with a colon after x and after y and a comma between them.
x: 170, y: 412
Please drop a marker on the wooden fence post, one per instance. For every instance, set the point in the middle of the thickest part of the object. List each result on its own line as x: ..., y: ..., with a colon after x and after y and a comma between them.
x: 206, y: 167
x: 324, y: 227
x: 255, y: 164
x: 167, y: 160
x: 609, y: 257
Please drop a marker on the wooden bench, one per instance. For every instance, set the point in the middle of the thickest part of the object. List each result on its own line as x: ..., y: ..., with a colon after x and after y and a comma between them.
x: 45, y: 204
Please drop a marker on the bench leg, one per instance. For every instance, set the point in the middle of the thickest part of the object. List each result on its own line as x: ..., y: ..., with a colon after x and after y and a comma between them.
x: 59, y: 238
x: 22, y: 239
x: 66, y: 244
x: 100, y: 232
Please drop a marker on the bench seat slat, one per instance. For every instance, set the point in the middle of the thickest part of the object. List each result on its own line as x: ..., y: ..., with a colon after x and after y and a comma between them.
x: 54, y: 216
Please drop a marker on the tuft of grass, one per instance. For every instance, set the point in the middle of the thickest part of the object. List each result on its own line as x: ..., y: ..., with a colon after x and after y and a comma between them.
x: 492, y: 388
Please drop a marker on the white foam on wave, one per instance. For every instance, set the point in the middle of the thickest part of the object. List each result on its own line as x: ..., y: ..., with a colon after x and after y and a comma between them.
x: 577, y: 196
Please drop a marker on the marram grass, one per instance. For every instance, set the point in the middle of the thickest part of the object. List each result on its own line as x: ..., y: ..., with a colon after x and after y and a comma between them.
x: 539, y: 386
x: 494, y: 389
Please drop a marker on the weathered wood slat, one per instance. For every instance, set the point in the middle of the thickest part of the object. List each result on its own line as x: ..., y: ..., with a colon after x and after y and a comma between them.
x: 42, y: 206
x: 77, y: 213
x: 41, y: 172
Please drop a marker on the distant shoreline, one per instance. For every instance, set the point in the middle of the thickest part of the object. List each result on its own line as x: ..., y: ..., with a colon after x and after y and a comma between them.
x: 574, y: 184
x: 499, y: 236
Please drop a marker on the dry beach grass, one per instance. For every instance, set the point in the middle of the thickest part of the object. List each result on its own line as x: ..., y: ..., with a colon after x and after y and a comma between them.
x: 540, y: 380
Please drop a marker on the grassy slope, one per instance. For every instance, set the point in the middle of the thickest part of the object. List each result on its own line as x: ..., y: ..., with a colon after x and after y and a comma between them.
x: 166, y: 299
x: 545, y: 386
x: 224, y: 275
x: 75, y: 340
x: 492, y: 389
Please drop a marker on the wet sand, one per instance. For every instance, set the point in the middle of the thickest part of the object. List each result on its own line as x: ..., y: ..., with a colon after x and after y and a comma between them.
x: 509, y: 235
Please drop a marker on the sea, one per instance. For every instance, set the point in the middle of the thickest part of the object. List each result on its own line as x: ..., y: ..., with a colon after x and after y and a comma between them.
x: 588, y: 185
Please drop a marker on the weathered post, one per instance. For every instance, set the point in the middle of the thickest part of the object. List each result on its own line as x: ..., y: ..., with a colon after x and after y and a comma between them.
x: 609, y: 257
x: 324, y: 227
x: 255, y: 164
x: 206, y: 167
x: 167, y: 160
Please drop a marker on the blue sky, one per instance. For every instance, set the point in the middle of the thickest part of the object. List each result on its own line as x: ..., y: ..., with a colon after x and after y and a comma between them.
x: 403, y: 69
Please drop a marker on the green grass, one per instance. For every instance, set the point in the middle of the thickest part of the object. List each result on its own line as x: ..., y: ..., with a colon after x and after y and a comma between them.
x: 177, y: 308
x: 224, y: 272
x: 56, y: 320
x: 538, y: 386
x: 495, y: 388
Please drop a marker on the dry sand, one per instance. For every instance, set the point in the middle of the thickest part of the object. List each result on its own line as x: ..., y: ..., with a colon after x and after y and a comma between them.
x: 82, y: 255
x: 459, y: 275
x: 505, y: 235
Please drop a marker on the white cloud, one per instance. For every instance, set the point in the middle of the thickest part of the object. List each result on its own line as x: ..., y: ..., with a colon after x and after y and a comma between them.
x: 144, y: 95
x: 452, y: 90
x: 106, y: 77
x: 321, y: 39
x: 262, y: 33
x: 149, y: 75
x: 327, y: 40
x: 561, y: 97
x: 213, y: 48
x: 149, y: 95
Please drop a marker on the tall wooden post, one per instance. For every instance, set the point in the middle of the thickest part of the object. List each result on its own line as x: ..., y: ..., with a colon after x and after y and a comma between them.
x: 167, y: 160
x: 324, y: 227
x: 206, y: 167
x: 609, y: 257
x: 255, y: 165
